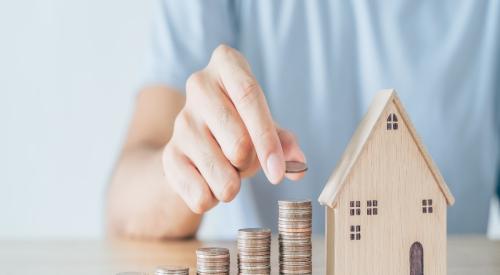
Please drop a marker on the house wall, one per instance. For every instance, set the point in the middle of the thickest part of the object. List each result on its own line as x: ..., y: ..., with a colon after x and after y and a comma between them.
x: 390, y: 170
x: 330, y: 240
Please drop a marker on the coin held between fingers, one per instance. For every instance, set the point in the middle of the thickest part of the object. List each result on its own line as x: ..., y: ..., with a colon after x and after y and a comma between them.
x: 295, y: 167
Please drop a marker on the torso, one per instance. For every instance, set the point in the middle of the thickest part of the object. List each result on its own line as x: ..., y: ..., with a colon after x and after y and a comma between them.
x: 321, y: 62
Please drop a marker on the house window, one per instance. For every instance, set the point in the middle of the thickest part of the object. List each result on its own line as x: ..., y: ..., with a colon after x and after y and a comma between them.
x: 354, y: 208
x: 355, y: 233
x: 372, y: 207
x: 427, y: 206
x: 392, y: 122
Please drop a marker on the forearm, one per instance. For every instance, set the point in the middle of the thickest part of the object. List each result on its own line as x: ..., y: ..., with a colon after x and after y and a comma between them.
x: 142, y: 204
x: 140, y: 201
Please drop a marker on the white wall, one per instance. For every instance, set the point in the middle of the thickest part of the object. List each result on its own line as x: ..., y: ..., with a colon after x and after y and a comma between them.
x: 68, y: 74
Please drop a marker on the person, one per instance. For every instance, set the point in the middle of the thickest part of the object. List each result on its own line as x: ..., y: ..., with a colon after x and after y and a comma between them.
x: 226, y: 79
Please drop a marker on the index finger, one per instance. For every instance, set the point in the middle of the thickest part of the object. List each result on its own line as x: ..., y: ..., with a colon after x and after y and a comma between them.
x: 242, y: 88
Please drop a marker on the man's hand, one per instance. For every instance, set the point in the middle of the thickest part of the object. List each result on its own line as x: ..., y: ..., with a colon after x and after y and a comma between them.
x: 224, y: 132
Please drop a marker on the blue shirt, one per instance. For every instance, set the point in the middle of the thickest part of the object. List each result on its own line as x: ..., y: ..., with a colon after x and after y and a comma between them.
x: 321, y: 62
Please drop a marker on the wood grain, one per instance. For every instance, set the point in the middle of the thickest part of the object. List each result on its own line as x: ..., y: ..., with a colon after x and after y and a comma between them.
x: 467, y: 255
x: 391, y: 170
x: 386, y: 163
x: 371, y: 122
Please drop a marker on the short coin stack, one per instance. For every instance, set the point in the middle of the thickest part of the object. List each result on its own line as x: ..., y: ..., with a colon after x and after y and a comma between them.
x: 212, y: 260
x: 295, y: 227
x: 254, y: 251
x: 168, y: 270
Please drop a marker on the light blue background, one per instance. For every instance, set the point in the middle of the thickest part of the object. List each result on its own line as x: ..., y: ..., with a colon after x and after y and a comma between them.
x: 69, y: 72
x: 321, y: 62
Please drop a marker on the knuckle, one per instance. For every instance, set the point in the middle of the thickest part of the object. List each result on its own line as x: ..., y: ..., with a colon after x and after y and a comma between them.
x: 181, y: 186
x: 209, y: 164
x: 195, y: 82
x: 249, y: 92
x: 202, y: 203
x: 231, y: 188
x: 241, y: 151
x: 267, y: 133
x: 182, y: 123
x: 224, y: 115
x: 223, y: 51
x: 224, y: 54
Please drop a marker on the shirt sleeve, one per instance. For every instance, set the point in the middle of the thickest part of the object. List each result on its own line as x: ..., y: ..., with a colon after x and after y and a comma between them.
x: 184, y: 34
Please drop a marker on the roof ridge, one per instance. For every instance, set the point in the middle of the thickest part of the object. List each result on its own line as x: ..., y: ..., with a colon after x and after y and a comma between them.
x: 358, y: 141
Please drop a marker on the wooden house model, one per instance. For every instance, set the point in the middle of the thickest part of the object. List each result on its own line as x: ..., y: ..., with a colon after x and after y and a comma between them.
x: 386, y: 201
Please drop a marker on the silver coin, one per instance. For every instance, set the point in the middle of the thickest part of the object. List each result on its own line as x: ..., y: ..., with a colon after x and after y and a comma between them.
x: 295, y: 229
x: 254, y: 251
x: 295, y: 167
x: 170, y: 270
x: 212, y: 260
x: 255, y: 230
x: 212, y: 251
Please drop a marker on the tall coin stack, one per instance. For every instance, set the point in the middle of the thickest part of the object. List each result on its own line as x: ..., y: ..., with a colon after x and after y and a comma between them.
x: 295, y: 228
x: 212, y: 260
x: 171, y: 270
x: 254, y: 251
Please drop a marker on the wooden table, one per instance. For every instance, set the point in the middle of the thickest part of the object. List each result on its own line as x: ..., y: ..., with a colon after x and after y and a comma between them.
x: 468, y: 255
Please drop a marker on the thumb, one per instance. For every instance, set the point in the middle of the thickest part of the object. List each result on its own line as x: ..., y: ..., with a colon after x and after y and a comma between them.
x: 291, y: 150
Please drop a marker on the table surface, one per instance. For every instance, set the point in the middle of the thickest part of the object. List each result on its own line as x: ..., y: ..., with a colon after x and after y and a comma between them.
x: 466, y: 255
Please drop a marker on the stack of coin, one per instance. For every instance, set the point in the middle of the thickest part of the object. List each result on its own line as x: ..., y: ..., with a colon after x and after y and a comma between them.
x: 212, y: 260
x: 295, y: 227
x: 169, y: 270
x: 254, y: 251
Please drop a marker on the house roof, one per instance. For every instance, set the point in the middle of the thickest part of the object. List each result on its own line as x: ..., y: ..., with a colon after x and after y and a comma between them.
x: 329, y: 195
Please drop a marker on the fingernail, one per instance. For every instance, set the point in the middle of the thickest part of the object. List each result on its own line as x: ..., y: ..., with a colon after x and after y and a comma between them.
x: 275, y: 168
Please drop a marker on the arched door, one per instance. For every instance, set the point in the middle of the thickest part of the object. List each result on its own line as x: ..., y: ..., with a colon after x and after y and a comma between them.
x: 416, y: 259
